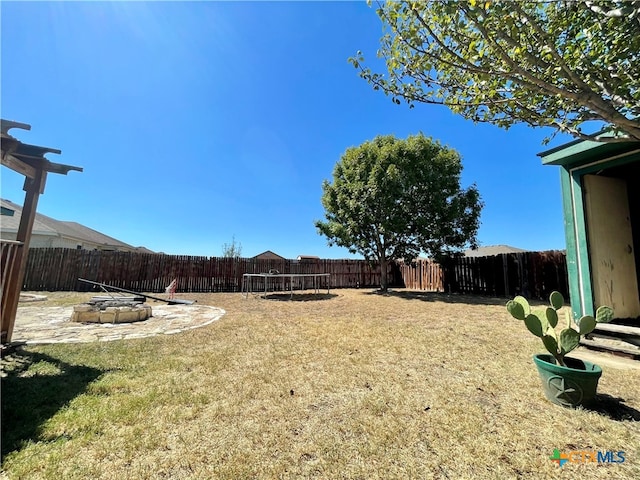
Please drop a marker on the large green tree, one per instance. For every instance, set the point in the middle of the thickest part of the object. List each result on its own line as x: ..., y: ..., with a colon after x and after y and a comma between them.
x: 392, y: 198
x: 557, y: 63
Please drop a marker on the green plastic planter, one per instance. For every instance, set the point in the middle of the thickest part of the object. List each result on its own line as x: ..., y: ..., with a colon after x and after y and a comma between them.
x: 569, y: 386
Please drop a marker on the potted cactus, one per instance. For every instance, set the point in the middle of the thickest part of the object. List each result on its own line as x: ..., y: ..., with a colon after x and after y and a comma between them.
x: 566, y: 381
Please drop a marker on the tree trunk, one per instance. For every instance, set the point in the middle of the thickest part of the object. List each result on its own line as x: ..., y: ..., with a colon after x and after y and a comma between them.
x: 384, y: 282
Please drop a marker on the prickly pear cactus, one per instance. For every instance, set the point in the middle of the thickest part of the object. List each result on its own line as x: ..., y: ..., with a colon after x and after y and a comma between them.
x: 569, y: 339
x: 586, y: 324
x: 519, y: 308
x: 556, y: 300
x: 604, y: 314
x: 535, y: 325
x: 542, y: 324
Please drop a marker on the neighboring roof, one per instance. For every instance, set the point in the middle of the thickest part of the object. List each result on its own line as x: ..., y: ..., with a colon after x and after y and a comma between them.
x: 44, y: 225
x: 76, y: 230
x: 491, y: 250
x: 269, y: 253
x: 10, y: 223
x: 308, y: 257
x: 144, y: 250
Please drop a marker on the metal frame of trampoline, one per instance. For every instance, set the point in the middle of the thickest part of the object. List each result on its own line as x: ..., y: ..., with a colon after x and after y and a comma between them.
x: 247, y: 277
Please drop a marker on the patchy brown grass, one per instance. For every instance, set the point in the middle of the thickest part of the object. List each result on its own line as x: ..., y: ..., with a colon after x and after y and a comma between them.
x: 352, y: 385
x: 54, y: 299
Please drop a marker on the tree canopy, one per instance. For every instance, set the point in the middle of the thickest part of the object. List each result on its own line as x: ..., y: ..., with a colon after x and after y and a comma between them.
x: 393, y: 198
x: 556, y: 63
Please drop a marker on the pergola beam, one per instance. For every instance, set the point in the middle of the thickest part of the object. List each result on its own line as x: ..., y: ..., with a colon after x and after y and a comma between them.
x: 19, y: 166
x: 29, y: 161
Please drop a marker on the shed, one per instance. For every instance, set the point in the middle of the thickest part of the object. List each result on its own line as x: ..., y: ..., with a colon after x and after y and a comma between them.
x: 601, y: 202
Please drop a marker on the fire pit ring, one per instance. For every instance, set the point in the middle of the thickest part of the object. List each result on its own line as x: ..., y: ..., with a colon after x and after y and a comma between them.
x: 111, y: 311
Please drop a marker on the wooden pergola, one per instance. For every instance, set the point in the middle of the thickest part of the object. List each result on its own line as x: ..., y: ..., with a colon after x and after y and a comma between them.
x: 29, y: 161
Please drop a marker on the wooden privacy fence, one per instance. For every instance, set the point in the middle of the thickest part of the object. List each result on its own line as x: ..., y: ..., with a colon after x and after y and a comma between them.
x: 532, y: 274
x: 423, y: 275
x: 57, y: 269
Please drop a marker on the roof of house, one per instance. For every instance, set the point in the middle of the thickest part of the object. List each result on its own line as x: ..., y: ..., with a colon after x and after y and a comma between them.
x: 581, y: 151
x: 44, y: 225
x: 491, y: 250
x: 308, y: 257
x: 270, y: 253
x: 144, y: 250
x: 10, y: 223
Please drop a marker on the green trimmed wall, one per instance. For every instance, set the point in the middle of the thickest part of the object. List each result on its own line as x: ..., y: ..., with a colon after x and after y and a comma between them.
x: 576, y: 159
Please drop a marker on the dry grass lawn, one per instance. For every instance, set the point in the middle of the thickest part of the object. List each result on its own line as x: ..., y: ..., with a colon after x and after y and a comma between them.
x: 352, y: 385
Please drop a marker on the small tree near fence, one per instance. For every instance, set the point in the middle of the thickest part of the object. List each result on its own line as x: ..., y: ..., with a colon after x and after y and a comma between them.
x: 232, y: 250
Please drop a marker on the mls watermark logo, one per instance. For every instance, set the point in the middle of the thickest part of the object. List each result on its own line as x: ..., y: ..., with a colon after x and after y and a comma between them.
x: 587, y: 456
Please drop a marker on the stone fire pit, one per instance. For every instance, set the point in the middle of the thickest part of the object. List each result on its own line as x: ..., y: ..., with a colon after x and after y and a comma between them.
x: 111, y: 310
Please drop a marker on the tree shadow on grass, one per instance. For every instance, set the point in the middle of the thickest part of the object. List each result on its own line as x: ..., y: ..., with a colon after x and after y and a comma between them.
x: 440, y: 297
x: 300, y: 297
x: 34, y: 387
x: 614, y: 408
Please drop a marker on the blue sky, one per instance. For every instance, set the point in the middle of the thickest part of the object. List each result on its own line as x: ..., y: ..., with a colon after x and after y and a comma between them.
x: 199, y: 122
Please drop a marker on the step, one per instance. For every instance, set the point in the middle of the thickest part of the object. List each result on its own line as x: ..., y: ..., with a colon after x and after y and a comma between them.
x: 612, y: 327
x: 612, y: 346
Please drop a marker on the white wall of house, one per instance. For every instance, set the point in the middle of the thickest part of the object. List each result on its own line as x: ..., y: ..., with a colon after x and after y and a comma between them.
x: 62, y: 242
x: 42, y: 241
x: 37, y: 240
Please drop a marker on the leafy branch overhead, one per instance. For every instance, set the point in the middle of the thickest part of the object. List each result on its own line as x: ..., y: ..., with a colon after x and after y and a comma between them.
x: 557, y: 64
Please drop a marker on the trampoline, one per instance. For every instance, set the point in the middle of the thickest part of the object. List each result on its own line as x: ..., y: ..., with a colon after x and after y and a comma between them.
x: 270, y: 280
